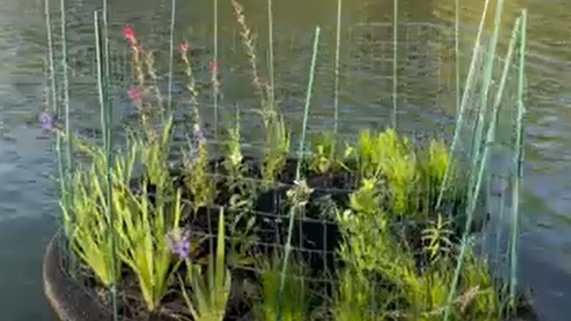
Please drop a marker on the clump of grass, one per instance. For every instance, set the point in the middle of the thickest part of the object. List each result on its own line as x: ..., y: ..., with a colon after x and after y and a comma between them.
x: 142, y: 229
x: 386, y: 156
x: 295, y: 296
x: 210, y: 292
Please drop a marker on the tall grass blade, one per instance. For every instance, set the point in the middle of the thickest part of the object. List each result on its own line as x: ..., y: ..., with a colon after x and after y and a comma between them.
x: 106, y: 129
x: 395, y: 61
x: 518, y: 158
x: 298, y: 168
x: 171, y: 56
x: 465, y: 97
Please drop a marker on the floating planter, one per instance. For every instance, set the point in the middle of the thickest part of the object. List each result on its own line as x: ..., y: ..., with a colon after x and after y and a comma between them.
x: 381, y: 227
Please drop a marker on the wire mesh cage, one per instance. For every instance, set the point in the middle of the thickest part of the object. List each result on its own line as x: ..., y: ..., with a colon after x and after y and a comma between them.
x: 290, y: 196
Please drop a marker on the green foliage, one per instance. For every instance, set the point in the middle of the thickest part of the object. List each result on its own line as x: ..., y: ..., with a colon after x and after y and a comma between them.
x: 209, y: 293
x: 438, y: 161
x: 154, y: 157
x: 142, y: 230
x: 324, y: 159
x: 197, y: 179
x: 295, y: 299
x: 385, y: 155
x: 353, y: 298
x: 89, y: 234
x: 380, y: 269
x: 276, y: 148
x: 241, y: 221
x: 437, y: 237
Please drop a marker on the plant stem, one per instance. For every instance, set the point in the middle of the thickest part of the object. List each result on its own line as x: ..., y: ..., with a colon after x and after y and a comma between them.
x: 298, y: 169
x: 518, y: 158
x: 171, y: 56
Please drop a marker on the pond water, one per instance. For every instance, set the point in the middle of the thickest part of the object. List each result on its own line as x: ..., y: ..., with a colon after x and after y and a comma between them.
x: 27, y: 203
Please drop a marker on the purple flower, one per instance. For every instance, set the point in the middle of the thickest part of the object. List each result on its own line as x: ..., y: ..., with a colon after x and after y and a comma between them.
x: 179, y: 243
x: 48, y: 121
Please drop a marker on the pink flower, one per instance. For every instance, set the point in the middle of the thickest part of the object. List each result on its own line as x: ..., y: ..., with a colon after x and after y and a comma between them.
x: 130, y: 35
x: 183, y: 47
x: 135, y: 94
x: 214, y: 67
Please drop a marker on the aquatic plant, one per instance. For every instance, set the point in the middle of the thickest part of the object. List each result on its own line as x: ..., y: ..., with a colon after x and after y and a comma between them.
x: 294, y: 303
x: 195, y: 160
x: 144, y: 245
x: 324, y: 159
x: 277, y: 137
x: 243, y: 192
x: 210, y: 292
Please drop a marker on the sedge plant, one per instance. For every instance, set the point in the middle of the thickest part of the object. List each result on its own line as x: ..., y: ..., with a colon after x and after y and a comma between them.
x: 210, y: 288
x: 295, y: 297
x: 144, y: 245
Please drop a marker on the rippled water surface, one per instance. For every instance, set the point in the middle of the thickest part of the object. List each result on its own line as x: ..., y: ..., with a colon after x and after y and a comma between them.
x: 27, y: 203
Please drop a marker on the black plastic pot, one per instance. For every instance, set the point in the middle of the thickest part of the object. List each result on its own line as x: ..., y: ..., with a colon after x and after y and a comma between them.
x: 69, y: 300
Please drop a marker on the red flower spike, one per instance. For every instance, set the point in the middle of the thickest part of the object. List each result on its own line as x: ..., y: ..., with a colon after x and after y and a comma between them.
x: 130, y: 35
x: 135, y: 94
x: 214, y: 67
x: 183, y: 47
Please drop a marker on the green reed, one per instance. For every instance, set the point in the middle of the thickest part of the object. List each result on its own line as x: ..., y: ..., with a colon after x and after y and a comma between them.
x: 298, y: 167
x: 518, y: 158
x: 295, y: 297
x: 465, y: 100
x: 106, y: 124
